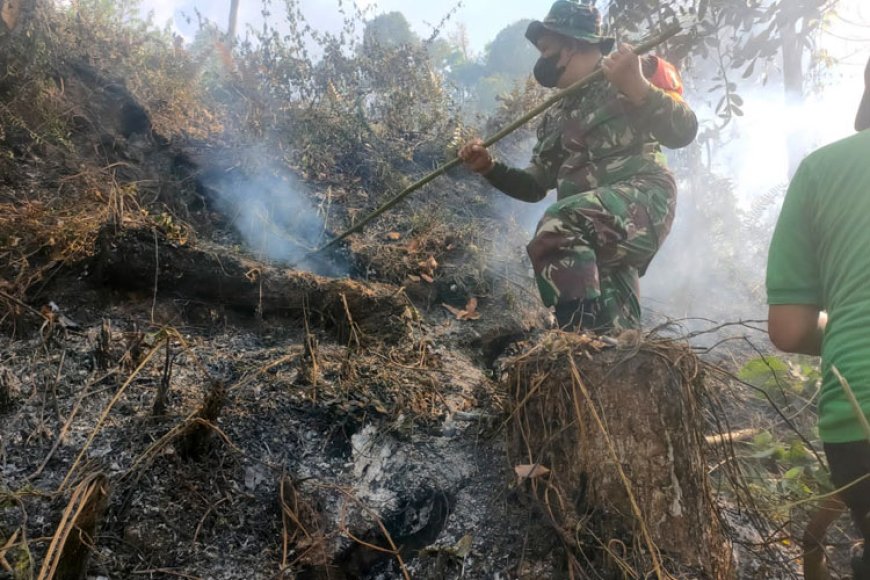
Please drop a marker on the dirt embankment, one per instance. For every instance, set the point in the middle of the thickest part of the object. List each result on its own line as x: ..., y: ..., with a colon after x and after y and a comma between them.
x: 242, y: 419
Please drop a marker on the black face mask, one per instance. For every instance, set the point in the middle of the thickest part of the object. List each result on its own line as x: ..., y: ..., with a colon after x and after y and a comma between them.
x: 548, y: 72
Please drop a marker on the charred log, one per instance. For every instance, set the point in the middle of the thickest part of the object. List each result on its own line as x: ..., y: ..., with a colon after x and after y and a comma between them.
x: 144, y: 259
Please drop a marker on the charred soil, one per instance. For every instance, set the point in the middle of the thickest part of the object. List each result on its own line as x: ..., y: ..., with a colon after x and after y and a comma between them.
x: 180, y: 396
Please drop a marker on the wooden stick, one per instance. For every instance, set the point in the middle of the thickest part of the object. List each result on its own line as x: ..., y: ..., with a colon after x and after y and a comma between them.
x: 732, y: 437
x: 644, y: 47
x: 850, y: 394
x: 30, y: 309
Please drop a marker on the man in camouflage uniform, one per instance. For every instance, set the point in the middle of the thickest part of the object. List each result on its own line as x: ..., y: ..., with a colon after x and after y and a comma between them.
x: 601, y: 151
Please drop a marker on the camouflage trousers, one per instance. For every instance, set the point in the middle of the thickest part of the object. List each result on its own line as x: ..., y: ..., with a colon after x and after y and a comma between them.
x: 592, y: 246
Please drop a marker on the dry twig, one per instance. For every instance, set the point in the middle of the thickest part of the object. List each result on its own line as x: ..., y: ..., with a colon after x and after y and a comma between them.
x: 69, y: 552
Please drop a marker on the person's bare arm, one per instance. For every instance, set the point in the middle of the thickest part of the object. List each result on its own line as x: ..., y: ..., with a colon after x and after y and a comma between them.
x: 797, y: 328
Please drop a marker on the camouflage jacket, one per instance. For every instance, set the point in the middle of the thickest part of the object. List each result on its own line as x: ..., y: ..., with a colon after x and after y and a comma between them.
x: 597, y: 138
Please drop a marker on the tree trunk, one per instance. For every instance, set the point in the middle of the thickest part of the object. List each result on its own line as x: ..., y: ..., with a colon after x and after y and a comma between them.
x: 620, y: 436
x: 234, y: 20
x: 793, y: 79
x: 143, y: 259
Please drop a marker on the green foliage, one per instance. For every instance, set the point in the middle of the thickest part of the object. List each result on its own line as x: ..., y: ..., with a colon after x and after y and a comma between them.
x: 479, y: 83
x: 752, y: 30
x: 108, y: 39
x: 445, y: 55
x: 792, y: 471
x: 388, y: 30
x: 510, y: 54
x: 777, y: 465
x: 490, y: 88
x: 767, y: 373
x: 775, y: 376
x: 737, y: 41
x: 27, y: 112
x: 360, y: 111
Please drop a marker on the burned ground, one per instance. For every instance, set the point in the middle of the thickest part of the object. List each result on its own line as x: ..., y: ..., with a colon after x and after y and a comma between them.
x: 208, y: 387
x: 244, y: 418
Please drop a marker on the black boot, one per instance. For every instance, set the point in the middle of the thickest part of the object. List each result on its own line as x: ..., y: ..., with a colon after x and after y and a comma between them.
x: 577, y: 315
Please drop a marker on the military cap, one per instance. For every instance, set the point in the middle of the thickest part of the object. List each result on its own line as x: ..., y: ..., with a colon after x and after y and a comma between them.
x: 572, y: 19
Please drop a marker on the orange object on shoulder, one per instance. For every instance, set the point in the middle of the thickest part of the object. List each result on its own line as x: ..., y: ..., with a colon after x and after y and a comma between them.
x: 663, y: 75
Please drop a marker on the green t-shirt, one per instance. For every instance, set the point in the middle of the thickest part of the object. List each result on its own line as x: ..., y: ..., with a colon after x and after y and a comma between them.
x: 820, y: 255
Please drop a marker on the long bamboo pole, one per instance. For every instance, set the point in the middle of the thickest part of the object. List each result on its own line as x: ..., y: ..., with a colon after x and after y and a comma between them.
x: 644, y: 47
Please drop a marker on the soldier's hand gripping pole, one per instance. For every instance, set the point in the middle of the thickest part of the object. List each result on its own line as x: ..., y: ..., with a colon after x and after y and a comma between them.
x: 642, y: 48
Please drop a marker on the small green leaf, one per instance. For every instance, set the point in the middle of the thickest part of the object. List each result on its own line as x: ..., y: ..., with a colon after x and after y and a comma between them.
x: 793, y: 473
x: 797, y: 452
x: 765, y: 373
x: 765, y: 453
x: 763, y: 439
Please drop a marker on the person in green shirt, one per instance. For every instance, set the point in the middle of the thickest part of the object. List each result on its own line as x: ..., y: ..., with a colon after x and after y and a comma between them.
x: 818, y: 291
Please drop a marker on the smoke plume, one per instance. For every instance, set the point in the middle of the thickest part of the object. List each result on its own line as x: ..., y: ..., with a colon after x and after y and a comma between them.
x: 273, y: 213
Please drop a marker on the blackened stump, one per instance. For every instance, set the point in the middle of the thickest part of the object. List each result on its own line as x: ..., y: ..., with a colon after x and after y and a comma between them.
x: 621, y: 433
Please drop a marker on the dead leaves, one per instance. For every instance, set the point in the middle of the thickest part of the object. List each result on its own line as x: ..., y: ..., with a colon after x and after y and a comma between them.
x: 559, y: 342
x: 468, y: 313
x: 461, y: 550
x: 427, y: 269
x: 10, y: 12
x: 55, y: 318
x: 420, y: 253
x: 535, y: 471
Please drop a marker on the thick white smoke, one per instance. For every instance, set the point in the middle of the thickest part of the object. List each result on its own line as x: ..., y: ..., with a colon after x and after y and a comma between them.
x: 753, y: 155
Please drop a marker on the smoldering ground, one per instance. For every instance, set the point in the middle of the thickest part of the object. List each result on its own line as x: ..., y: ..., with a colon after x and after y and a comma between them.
x: 273, y: 212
